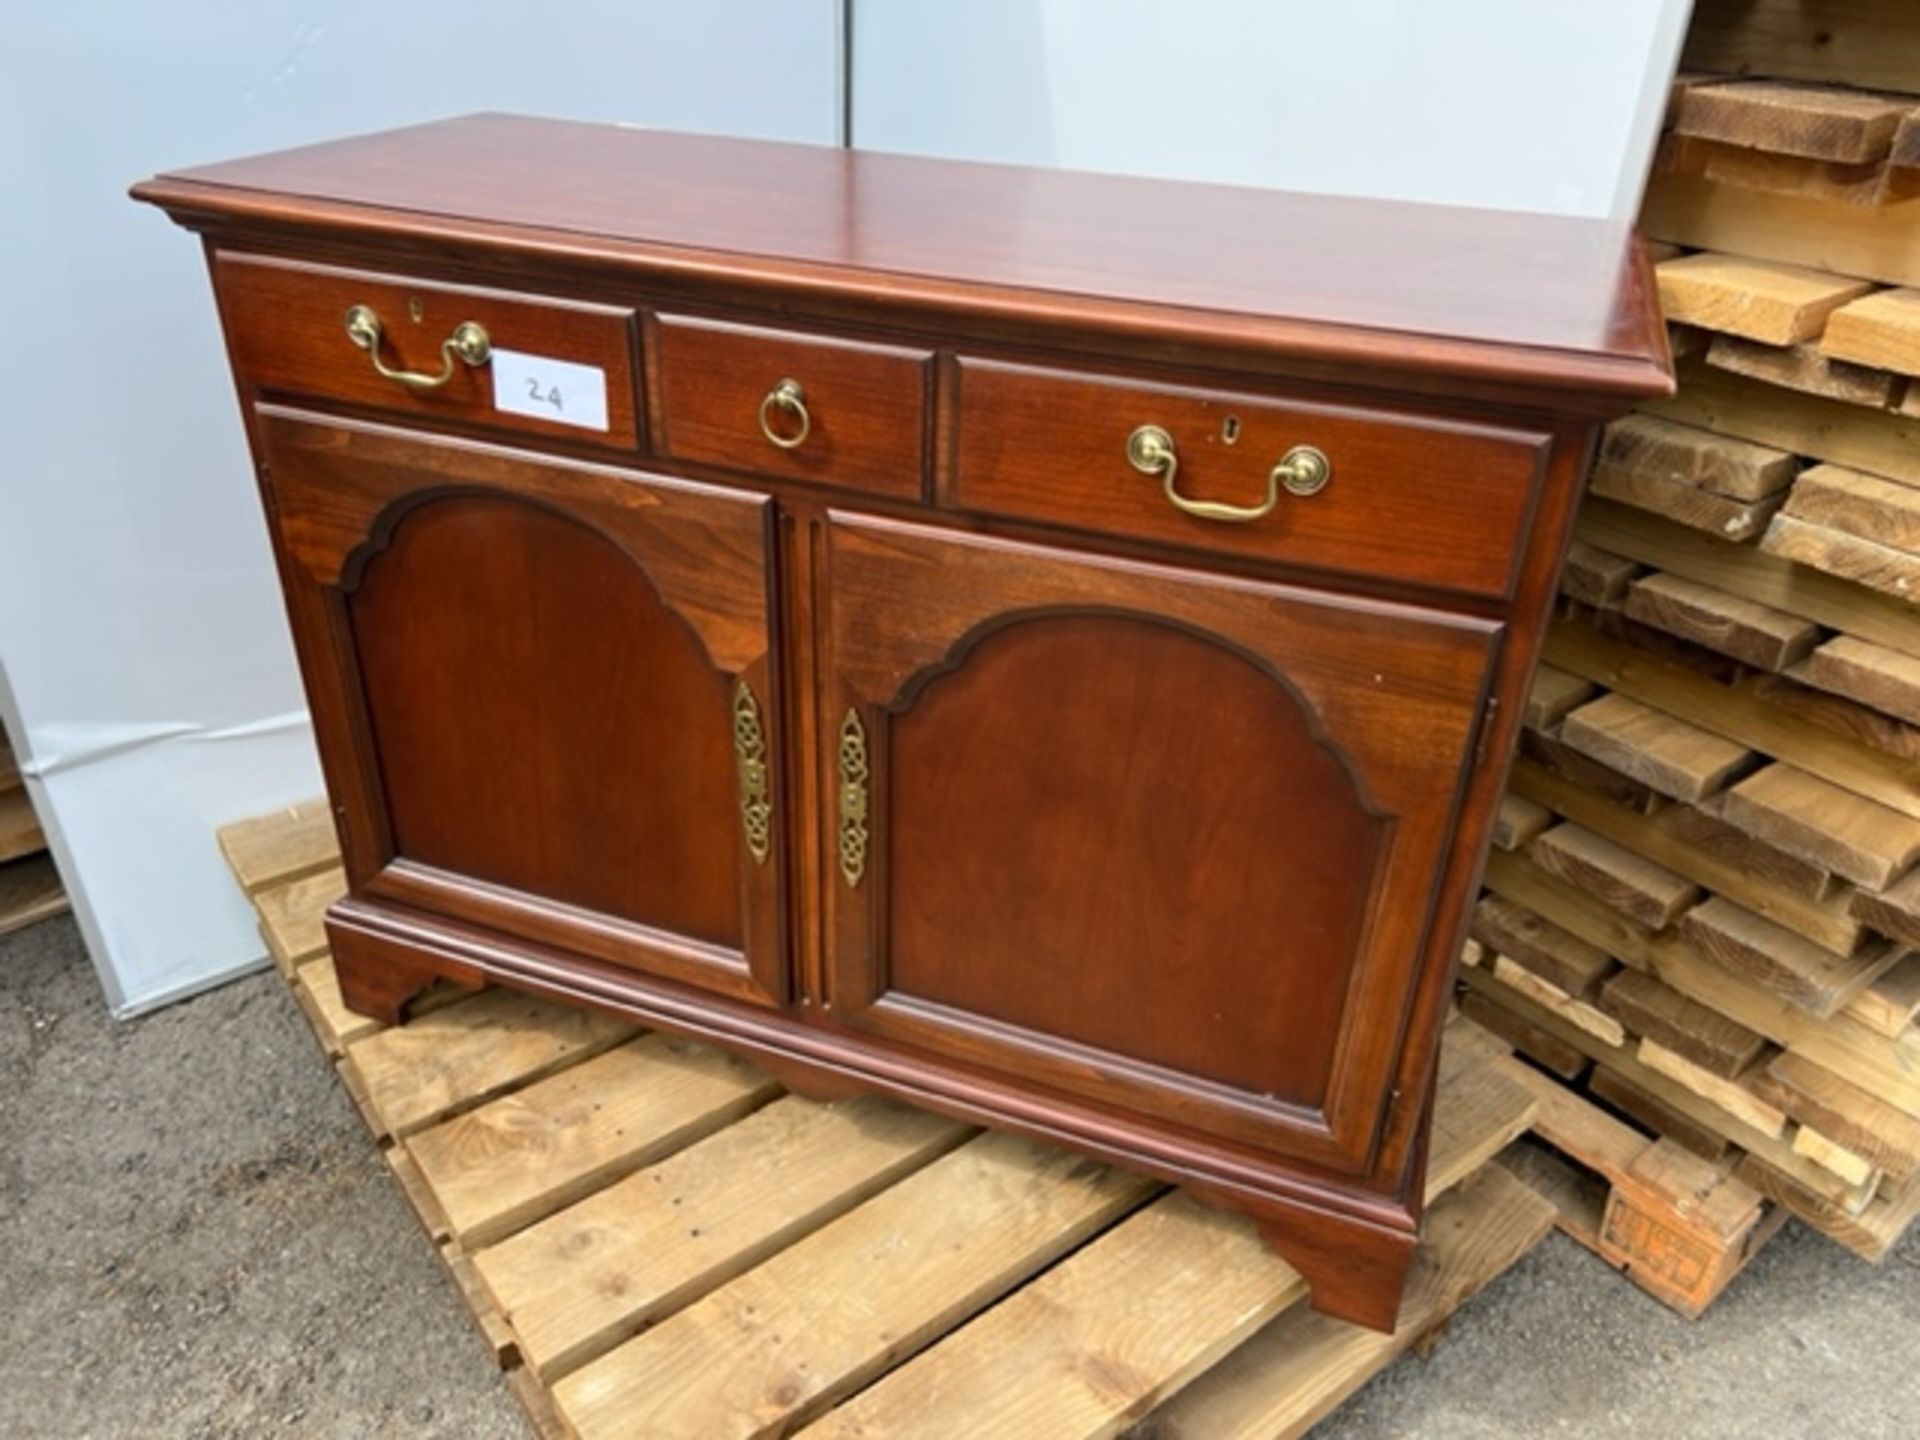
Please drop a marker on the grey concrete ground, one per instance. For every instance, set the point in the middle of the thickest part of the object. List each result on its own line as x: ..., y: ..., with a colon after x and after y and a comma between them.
x: 196, y: 1239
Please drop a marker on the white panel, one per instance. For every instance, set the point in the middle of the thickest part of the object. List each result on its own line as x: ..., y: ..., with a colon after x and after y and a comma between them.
x: 141, y: 631
x: 1542, y: 105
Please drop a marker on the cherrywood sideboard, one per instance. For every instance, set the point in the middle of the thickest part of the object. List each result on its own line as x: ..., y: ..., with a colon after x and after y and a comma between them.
x: 1046, y: 646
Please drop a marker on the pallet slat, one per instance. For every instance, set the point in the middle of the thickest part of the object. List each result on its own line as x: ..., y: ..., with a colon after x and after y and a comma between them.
x: 814, y: 1323
x: 517, y: 1159
x: 1191, y: 1285
x: 1299, y: 1368
x: 30, y: 890
x: 462, y: 1056
x: 293, y: 917
x: 609, y: 1204
x: 581, y: 1282
x: 273, y: 849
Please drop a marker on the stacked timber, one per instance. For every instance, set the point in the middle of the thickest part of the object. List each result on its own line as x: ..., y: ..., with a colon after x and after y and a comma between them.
x: 29, y: 888
x: 1704, y: 904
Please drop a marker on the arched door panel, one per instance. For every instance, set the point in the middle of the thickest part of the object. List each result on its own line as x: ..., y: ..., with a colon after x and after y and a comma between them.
x: 1157, y: 838
x: 551, y: 700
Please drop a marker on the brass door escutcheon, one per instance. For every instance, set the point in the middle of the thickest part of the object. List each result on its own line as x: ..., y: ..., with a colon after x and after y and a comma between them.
x: 851, y: 763
x: 750, y: 757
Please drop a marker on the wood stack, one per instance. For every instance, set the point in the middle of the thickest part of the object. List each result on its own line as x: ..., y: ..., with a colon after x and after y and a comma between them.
x: 29, y: 888
x: 1704, y: 904
x: 655, y: 1240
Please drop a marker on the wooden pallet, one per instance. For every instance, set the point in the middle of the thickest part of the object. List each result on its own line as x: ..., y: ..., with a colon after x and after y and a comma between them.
x: 655, y: 1240
x: 30, y: 888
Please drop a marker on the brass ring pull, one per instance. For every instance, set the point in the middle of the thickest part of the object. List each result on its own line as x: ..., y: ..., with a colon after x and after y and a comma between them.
x: 1303, y: 470
x: 789, y: 397
x: 468, y: 344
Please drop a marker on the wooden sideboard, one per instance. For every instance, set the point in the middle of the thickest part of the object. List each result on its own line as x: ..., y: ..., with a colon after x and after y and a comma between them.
x: 1042, y: 645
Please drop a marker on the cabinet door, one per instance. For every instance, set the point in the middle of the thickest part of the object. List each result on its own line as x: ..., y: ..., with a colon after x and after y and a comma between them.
x: 1162, y: 840
x: 543, y: 693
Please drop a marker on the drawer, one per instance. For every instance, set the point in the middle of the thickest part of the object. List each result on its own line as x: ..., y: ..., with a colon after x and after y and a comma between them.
x: 1406, y: 497
x: 550, y: 367
x: 801, y: 407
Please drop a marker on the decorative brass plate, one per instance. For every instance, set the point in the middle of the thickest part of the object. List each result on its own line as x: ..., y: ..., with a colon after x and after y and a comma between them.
x: 750, y: 753
x: 853, y: 798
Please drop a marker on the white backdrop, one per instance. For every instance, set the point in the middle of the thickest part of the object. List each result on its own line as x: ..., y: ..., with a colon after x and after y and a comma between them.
x: 1547, y: 105
x: 145, y: 670
x: 145, y: 652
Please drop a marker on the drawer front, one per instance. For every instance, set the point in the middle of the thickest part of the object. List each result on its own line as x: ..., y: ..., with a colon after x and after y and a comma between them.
x: 287, y: 331
x: 802, y: 407
x: 1411, y: 498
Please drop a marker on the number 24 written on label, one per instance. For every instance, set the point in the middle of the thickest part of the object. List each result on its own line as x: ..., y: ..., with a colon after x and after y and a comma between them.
x: 562, y: 391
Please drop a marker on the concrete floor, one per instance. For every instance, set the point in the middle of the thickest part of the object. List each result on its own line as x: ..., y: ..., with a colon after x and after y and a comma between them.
x: 197, y: 1239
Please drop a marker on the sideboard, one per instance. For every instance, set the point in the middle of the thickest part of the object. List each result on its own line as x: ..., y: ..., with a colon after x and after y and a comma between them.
x: 1045, y: 646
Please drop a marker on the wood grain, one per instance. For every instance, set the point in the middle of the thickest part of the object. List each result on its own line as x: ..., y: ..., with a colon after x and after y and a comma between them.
x: 1650, y: 894
x: 1737, y: 715
x: 1051, y: 446
x: 1880, y: 330
x: 585, y: 1280
x: 783, y: 1342
x: 1817, y: 121
x: 1689, y: 843
x: 1685, y: 504
x: 1871, y: 1060
x: 1658, y: 1012
x: 1753, y: 575
x: 1865, y: 562
x: 1744, y: 629
x: 867, y: 404
x: 1847, y: 833
x: 1540, y: 946
x: 1760, y: 299
x: 466, y: 1054
x: 1806, y: 368
x: 286, y: 845
x: 1863, y: 671
x: 1154, y: 257
x: 516, y: 1159
x: 1868, y: 241
x: 1673, y: 757
x: 1879, y: 441
x: 285, y: 324
x: 1553, y: 693
x: 1853, y: 42
x: 1805, y: 975
x: 1847, y: 1114
x: 1862, y: 505
x: 1300, y: 1366
x: 292, y: 916
x: 1684, y: 454
x: 1596, y: 577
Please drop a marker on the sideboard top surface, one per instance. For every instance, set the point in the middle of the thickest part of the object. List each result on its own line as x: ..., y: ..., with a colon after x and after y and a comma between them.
x: 1545, y: 301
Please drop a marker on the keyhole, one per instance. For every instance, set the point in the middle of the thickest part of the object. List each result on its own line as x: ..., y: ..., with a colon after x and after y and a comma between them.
x: 1230, y: 429
x: 415, y: 310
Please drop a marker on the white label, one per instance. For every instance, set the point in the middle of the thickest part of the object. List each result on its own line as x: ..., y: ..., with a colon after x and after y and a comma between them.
x: 549, y: 389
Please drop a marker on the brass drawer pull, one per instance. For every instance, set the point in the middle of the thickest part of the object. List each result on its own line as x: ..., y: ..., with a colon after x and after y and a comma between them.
x: 468, y: 344
x: 787, y: 396
x: 1303, y: 470
x: 750, y: 754
x: 851, y: 765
